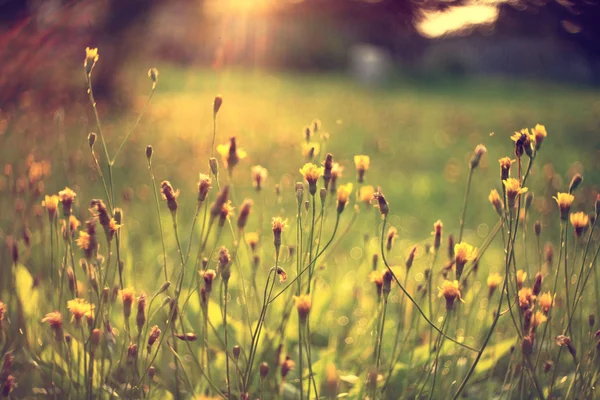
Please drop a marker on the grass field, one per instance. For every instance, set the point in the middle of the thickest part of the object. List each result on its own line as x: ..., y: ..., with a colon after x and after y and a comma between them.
x: 420, y: 136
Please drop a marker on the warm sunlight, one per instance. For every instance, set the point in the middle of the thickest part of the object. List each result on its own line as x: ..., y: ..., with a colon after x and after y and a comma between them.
x: 440, y: 23
x: 244, y: 6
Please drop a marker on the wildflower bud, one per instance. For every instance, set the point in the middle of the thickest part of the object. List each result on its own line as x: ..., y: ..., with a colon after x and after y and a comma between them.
x: 493, y: 281
x: 451, y: 247
x: 575, y: 182
x: 564, y: 201
x: 391, y: 235
x: 372, y: 379
x: 520, y: 278
x: 539, y: 134
x: 411, y: 257
x: 127, y: 295
x: 218, y: 101
x: 220, y: 202
x: 163, y: 288
x: 505, y: 163
x: 173, y: 309
x: 450, y: 290
x: 387, y: 284
x: 224, y: 264
x: 141, y: 311
x: 362, y: 164
x: 132, y: 352
x: 303, y: 305
x: 528, y: 201
x: 537, y: 285
x: 527, y: 345
x: 204, y: 263
x: 91, y: 139
x: 153, y: 75
x: 187, y: 337
x: 68, y: 339
x: 527, y: 320
x: 264, y: 370
x: 149, y: 153
x: 209, y: 275
x: 299, y: 192
x: 105, y: 295
x: 480, y: 150
x: 169, y: 195
x: 244, y: 213
x: 384, y: 208
x: 591, y: 320
x: 437, y: 232
x: 71, y: 280
x: 95, y: 339
x: 374, y: 261
x: 497, y: 202
x: 236, y: 352
x: 307, y: 205
x: 331, y: 388
x: 214, y: 166
x: 323, y: 195
x: 278, y: 226
x: 597, y: 205
x: 549, y: 253
x: 203, y: 187
x: 151, y: 372
x: 256, y: 261
x: 562, y: 340
x: 153, y: 336
x: 307, y: 134
x: 91, y: 57
x: 537, y: 228
x: 287, y: 366
x: 548, y: 366
x: 282, y: 274
x: 328, y: 166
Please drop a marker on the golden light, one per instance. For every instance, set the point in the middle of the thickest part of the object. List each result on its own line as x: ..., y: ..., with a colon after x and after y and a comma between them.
x: 241, y: 6
x: 440, y: 23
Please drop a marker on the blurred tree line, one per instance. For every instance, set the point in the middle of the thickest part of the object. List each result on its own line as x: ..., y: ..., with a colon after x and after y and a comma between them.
x: 118, y: 26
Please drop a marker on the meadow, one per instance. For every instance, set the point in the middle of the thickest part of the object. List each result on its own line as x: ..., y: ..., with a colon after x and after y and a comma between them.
x: 347, y: 243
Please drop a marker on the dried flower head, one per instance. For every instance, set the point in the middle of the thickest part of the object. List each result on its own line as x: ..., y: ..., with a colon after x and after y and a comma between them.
x: 450, y: 290
x: 303, y: 304
x: 575, y: 182
x: 80, y: 308
x: 580, y: 222
x: 153, y: 336
x: 513, y: 189
x: 564, y: 201
x: 343, y: 195
x: 169, y: 195
x: 230, y: 153
x: 279, y: 225
x: 497, y: 202
x: 259, y: 175
x: 493, y: 280
x: 537, y: 284
x: 226, y: 212
x: 327, y: 167
x: 224, y: 264
x: 220, y: 201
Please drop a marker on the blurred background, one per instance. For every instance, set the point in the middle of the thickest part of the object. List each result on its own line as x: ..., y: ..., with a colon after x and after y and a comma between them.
x: 414, y: 84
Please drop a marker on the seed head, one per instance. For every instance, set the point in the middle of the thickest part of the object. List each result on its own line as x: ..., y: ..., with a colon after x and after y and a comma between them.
x: 132, y: 352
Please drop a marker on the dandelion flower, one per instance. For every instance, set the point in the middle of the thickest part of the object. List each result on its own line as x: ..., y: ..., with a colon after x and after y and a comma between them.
x: 513, y: 189
x: 365, y: 194
x: 311, y: 173
x: 493, y: 280
x: 521, y: 277
x: 538, y: 134
x: 51, y: 205
x: 526, y: 298
x: 362, y: 163
x: 303, y: 305
x: 545, y: 301
x: 564, y: 201
x: 450, y: 290
x: 580, y: 222
x: 343, y: 195
x: 230, y: 153
x: 80, y: 308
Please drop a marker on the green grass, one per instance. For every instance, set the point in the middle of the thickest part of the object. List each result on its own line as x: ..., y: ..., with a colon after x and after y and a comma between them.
x: 419, y: 135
